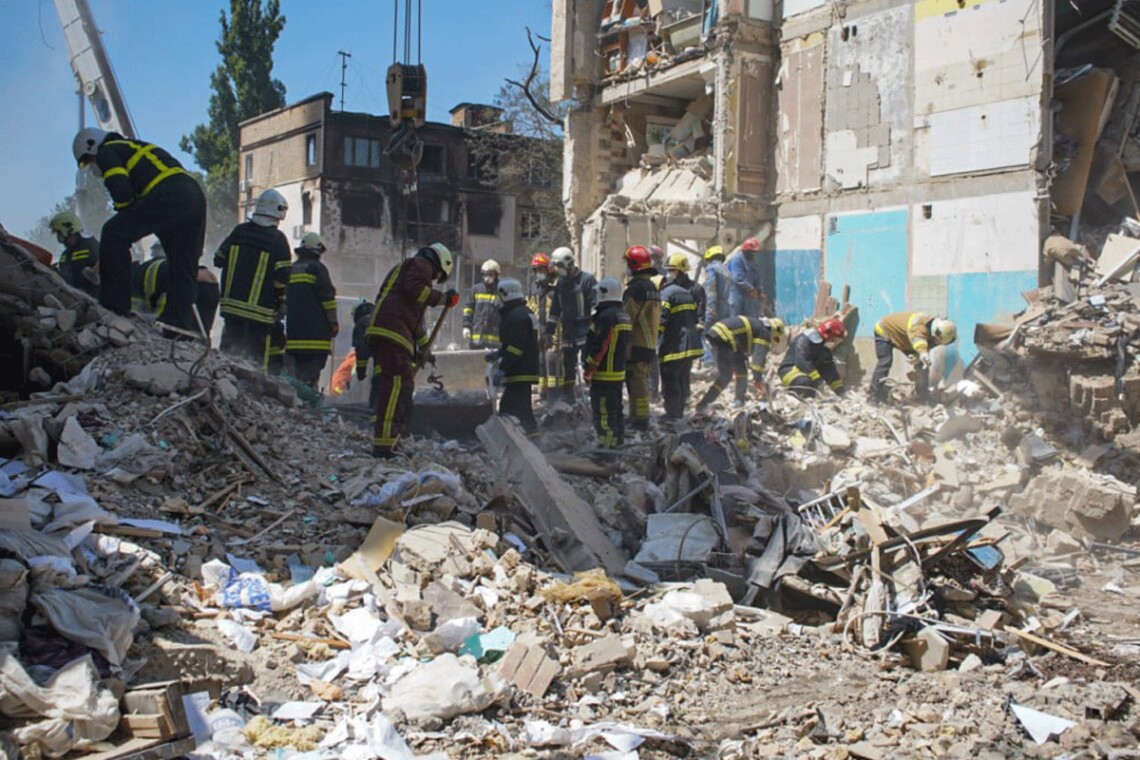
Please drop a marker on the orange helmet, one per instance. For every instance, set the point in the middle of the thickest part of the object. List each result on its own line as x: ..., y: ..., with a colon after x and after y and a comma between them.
x: 750, y: 244
x: 832, y: 329
x: 540, y: 261
x: 637, y: 257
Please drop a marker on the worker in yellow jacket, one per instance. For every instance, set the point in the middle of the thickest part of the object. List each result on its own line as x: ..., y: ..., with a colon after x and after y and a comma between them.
x: 913, y: 333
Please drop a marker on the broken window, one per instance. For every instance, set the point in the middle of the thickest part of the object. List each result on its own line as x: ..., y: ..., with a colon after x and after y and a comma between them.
x: 360, y: 151
x: 432, y: 161
x: 359, y: 210
x: 483, y: 166
x: 530, y: 225
x: 483, y: 216
x: 538, y: 173
x: 310, y: 150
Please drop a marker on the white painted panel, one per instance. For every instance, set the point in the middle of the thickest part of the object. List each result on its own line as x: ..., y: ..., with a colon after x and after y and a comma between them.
x: 795, y: 7
x: 983, y: 137
x: 799, y: 233
x: 980, y: 54
x: 991, y: 233
x: 879, y: 49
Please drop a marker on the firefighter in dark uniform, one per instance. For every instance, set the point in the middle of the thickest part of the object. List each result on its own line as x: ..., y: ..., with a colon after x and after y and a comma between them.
x: 740, y: 344
x: 79, y: 262
x: 677, y: 270
x: 149, y: 281
x: 207, y: 299
x: 570, y: 309
x: 255, y: 263
x: 481, y: 314
x: 642, y: 302
x: 361, y: 314
x: 396, y: 333
x: 606, y: 349
x: 809, y: 360
x: 679, y: 345
x: 518, y: 354
x: 152, y: 194
x: 310, y: 312
x: 274, y: 361
x: 541, y: 295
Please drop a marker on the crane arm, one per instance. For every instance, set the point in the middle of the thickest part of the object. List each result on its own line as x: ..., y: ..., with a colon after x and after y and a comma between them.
x: 92, y: 67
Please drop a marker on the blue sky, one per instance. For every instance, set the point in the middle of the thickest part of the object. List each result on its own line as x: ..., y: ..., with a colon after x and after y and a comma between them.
x: 163, y: 53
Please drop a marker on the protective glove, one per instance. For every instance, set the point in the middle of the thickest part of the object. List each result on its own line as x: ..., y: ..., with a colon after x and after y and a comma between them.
x: 588, y: 374
x: 466, y: 333
x: 924, y: 360
x: 451, y: 298
x: 335, y: 327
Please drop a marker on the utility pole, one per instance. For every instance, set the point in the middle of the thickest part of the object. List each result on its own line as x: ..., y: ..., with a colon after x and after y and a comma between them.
x: 343, y: 67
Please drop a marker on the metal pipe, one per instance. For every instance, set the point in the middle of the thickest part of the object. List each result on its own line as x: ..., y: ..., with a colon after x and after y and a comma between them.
x: 703, y: 485
x: 1060, y: 43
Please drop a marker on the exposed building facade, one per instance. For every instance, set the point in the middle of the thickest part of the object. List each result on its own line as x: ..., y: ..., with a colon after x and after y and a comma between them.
x: 918, y: 152
x: 471, y: 194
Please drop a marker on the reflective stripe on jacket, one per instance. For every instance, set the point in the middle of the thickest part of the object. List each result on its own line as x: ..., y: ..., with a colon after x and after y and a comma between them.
x: 679, y: 338
x: 310, y: 306
x: 745, y: 336
x: 608, y: 343
x: 481, y: 314
x: 255, y: 264
x: 133, y: 169
x: 909, y: 332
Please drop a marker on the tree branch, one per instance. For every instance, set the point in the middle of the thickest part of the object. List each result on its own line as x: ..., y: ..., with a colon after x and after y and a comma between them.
x: 525, y: 86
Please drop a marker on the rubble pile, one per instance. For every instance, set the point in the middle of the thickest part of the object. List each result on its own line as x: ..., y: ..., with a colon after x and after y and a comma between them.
x: 192, y: 561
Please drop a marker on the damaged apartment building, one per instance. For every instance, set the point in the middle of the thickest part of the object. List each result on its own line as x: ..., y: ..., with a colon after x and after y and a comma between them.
x: 481, y: 190
x: 917, y: 153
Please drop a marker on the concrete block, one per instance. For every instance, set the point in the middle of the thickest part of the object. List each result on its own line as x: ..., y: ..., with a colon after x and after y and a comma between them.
x: 928, y: 651
x: 1077, y: 503
x: 160, y: 379
x: 602, y: 655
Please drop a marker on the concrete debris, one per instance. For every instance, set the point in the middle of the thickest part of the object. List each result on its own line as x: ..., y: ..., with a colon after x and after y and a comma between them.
x: 825, y: 579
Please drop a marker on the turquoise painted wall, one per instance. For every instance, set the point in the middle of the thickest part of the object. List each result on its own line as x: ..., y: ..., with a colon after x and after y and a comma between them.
x: 868, y: 252
x: 796, y: 274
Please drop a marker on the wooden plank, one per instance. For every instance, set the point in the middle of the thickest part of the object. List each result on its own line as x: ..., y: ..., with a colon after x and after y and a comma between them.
x: 569, y: 526
x: 1059, y: 648
x: 147, y: 749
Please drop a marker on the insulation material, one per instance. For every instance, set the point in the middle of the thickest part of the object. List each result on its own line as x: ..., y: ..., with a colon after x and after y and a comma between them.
x: 991, y: 233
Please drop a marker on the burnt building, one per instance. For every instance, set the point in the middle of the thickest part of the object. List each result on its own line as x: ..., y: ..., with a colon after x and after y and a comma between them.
x: 478, y: 188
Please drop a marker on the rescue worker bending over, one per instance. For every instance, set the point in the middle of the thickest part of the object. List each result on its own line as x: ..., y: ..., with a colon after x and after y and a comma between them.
x: 481, y: 314
x: 571, y: 307
x: 310, y: 312
x: 255, y: 264
x: 642, y: 303
x: 79, y: 263
x: 740, y: 344
x: 913, y: 333
x: 541, y: 295
x: 745, y: 297
x: 152, y: 194
x: 809, y: 359
x: 605, y: 368
x: 396, y: 334
x: 679, y: 344
x: 518, y: 355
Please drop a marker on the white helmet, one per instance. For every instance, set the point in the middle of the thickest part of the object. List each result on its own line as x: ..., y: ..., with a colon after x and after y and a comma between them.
x: 490, y: 266
x: 270, y: 209
x: 438, y: 254
x: 944, y: 331
x: 510, y: 289
x: 609, y: 290
x: 87, y: 142
x: 312, y: 243
x: 562, y: 257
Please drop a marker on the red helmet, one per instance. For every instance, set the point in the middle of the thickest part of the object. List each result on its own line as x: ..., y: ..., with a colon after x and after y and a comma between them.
x: 832, y: 329
x: 750, y: 244
x: 540, y: 261
x: 638, y: 258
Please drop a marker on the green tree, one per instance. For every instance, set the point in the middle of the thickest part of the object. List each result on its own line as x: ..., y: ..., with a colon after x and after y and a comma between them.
x: 243, y: 87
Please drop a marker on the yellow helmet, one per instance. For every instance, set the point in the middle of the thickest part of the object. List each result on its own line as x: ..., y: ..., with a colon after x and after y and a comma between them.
x: 678, y: 261
x: 944, y: 331
x: 778, y: 331
x: 713, y: 252
x: 65, y: 223
x: 312, y: 243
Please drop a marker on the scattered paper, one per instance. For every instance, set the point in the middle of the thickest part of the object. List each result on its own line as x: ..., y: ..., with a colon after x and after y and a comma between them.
x: 242, y: 637
x: 1040, y: 726
x: 297, y: 710
x: 165, y: 526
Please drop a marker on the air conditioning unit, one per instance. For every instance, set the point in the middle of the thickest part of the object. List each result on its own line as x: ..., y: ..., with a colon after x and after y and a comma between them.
x: 1125, y: 22
x: 298, y: 231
